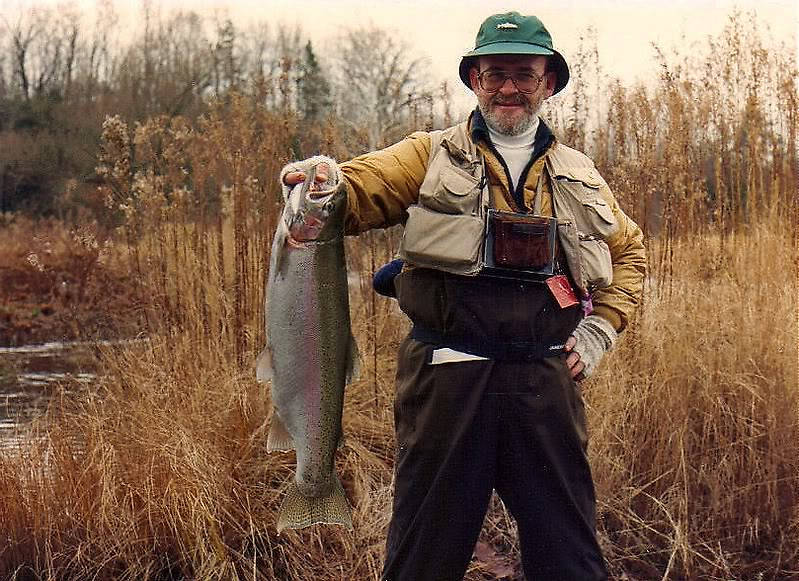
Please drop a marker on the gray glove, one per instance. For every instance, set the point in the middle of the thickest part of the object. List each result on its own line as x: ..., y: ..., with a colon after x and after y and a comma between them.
x: 304, y: 166
x: 594, y: 336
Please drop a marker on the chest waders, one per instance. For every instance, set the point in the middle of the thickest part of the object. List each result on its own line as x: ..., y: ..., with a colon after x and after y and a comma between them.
x: 514, y: 423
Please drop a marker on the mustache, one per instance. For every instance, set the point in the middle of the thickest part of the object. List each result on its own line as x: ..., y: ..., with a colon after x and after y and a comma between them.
x: 511, y: 101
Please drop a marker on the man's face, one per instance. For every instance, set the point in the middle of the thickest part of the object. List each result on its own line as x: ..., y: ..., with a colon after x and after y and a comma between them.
x: 509, y: 111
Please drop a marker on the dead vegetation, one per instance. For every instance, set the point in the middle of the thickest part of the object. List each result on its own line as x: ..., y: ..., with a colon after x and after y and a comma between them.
x: 61, y: 282
x: 159, y: 471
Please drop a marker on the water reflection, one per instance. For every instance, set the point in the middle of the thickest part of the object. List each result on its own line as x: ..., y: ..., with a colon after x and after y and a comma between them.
x: 30, y: 375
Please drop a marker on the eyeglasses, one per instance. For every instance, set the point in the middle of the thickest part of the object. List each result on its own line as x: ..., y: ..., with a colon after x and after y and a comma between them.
x: 493, y: 81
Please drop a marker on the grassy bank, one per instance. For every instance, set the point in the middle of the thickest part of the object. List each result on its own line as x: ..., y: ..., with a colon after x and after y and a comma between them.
x: 61, y: 282
x: 160, y: 471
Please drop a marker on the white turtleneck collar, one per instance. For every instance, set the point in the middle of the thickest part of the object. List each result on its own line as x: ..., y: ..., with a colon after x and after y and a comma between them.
x: 524, y: 139
x: 516, y: 150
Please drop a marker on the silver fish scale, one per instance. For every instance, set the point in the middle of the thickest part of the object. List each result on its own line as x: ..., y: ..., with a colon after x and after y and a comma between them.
x: 311, y: 353
x: 310, y: 356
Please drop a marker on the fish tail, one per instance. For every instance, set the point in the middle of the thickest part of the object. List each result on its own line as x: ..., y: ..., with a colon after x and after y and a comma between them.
x: 279, y: 439
x: 299, y: 511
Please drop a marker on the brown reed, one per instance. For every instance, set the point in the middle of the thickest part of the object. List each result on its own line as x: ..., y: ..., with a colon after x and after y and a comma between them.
x: 159, y: 470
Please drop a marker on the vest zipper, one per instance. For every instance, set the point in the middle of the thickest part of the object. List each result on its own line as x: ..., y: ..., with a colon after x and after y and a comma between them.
x: 519, y: 188
x: 509, y: 198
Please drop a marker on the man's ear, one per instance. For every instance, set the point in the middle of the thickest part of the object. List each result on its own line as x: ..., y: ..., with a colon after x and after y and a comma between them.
x: 473, y: 72
x: 551, y: 80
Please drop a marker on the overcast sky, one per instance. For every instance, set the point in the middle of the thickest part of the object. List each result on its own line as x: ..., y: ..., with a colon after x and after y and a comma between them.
x: 442, y: 31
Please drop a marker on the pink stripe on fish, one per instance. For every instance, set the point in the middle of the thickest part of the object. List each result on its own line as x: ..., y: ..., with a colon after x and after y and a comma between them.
x: 312, y: 387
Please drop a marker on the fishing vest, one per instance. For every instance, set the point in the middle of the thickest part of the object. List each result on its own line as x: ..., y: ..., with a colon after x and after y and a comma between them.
x: 446, y: 229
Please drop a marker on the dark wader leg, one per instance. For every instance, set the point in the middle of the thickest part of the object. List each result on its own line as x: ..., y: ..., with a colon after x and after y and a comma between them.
x: 543, y: 476
x: 458, y: 440
x: 445, y: 466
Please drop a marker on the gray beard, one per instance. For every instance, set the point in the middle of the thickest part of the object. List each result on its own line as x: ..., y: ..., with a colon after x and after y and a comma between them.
x: 503, y: 128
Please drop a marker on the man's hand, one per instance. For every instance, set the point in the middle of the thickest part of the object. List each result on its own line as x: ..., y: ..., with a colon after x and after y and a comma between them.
x: 573, y: 360
x: 293, y: 178
x: 327, y: 179
x: 587, y: 345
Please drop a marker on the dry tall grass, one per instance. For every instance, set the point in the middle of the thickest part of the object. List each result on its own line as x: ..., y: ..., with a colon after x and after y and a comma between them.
x: 695, y: 418
x: 159, y: 471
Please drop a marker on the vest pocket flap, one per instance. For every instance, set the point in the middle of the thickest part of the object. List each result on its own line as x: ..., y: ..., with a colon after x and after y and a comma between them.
x: 587, y: 175
x: 457, y: 181
x: 595, y: 262
x: 458, y: 155
x: 592, y: 214
x: 602, y: 209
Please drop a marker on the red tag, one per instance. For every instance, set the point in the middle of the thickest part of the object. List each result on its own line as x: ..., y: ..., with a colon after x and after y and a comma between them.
x: 562, y: 291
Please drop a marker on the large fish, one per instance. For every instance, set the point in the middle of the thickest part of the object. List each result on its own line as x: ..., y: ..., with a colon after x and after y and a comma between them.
x: 310, y: 354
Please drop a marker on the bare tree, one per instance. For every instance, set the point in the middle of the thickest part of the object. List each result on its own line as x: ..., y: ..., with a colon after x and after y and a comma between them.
x: 378, y: 81
x: 4, y: 77
x: 99, y: 54
x: 167, y: 68
x: 70, y: 26
x: 23, y: 33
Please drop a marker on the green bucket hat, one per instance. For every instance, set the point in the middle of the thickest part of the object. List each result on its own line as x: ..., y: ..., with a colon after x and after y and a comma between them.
x: 512, y: 33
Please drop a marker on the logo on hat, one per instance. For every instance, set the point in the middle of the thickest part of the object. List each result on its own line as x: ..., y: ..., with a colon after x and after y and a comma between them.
x: 507, y: 26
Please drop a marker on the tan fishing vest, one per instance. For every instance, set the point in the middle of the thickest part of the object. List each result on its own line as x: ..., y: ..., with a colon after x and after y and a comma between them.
x: 446, y: 228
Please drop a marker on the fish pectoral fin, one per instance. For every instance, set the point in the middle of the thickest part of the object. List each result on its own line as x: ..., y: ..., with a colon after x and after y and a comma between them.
x: 263, y: 365
x: 279, y: 438
x: 353, y: 361
x: 298, y: 511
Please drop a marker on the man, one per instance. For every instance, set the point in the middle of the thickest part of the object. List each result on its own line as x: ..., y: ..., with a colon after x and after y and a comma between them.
x: 486, y: 393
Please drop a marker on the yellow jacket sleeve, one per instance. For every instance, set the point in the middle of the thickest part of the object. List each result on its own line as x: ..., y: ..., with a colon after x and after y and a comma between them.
x: 616, y: 303
x: 382, y: 184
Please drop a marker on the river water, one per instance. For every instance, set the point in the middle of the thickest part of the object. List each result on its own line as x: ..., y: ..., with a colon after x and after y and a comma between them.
x: 31, y: 374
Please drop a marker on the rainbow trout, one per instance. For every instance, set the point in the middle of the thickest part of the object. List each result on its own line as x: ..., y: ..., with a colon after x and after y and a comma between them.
x: 310, y: 354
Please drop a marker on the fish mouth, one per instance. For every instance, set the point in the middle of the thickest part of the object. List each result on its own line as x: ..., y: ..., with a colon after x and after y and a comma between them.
x: 294, y: 243
x: 306, y: 229
x: 311, y: 220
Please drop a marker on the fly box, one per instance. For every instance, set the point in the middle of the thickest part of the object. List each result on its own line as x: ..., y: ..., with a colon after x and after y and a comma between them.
x: 519, y: 245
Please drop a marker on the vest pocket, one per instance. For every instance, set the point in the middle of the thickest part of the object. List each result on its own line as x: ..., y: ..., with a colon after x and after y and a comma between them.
x: 593, y: 222
x: 595, y: 261
x: 449, y: 242
x: 592, y: 214
x: 456, y: 192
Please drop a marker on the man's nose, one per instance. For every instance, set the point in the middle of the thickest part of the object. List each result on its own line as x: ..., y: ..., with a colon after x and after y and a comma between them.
x: 508, y: 87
